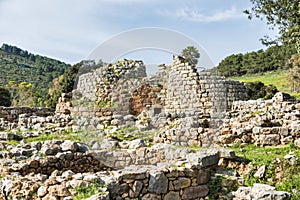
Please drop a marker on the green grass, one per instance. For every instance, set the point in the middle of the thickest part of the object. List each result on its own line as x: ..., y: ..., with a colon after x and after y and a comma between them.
x: 277, y: 78
x: 84, y: 192
x: 64, y: 135
x: 267, y: 156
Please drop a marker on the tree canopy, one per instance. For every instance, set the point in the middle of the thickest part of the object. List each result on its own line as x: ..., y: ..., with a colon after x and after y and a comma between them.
x: 273, y: 58
x: 191, y: 54
x: 281, y: 14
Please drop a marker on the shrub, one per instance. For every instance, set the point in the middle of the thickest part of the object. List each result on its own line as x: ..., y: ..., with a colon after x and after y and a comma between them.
x: 5, y: 98
x: 256, y: 90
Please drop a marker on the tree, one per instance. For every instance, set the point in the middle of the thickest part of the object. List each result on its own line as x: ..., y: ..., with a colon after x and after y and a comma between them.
x: 281, y: 14
x: 63, y: 84
x: 5, y: 99
x: 295, y: 73
x: 285, y: 16
x: 191, y: 54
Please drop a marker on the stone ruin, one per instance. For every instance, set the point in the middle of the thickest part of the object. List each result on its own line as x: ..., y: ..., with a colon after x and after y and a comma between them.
x: 184, y: 105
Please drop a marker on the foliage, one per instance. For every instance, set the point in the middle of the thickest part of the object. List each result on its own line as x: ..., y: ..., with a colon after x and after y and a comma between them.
x: 191, y: 54
x: 256, y: 90
x: 5, y: 99
x: 269, y: 156
x: 131, y: 133
x: 68, y: 80
x: 281, y: 14
x: 295, y: 73
x: 64, y: 135
x: 84, y: 192
x: 19, y: 66
x: 273, y: 58
x: 291, y: 180
x: 215, y: 187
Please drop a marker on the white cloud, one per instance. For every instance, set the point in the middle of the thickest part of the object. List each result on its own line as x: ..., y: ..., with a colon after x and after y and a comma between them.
x: 196, y: 15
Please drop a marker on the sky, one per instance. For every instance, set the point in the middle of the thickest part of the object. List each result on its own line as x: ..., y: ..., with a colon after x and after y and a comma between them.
x: 70, y: 30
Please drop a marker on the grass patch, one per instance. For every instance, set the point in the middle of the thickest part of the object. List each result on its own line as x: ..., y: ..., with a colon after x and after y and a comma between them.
x: 84, y: 192
x: 279, y: 78
x: 267, y: 156
x: 195, y: 148
x: 13, y: 142
x: 132, y: 133
x: 64, y: 135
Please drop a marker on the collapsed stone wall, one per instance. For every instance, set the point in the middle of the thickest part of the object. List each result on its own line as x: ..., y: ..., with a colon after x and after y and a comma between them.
x: 156, y: 172
x: 146, y: 95
x: 177, y: 90
x: 106, y: 91
x: 262, y: 122
x: 11, y: 114
x: 30, y: 118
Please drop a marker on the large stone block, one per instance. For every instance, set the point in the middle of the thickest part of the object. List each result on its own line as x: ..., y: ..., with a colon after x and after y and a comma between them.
x: 158, y: 183
x: 195, y: 192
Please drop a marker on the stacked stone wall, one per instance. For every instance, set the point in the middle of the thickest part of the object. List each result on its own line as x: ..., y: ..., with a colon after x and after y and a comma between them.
x: 159, y: 172
x: 262, y: 122
x: 11, y: 114
x: 183, y: 90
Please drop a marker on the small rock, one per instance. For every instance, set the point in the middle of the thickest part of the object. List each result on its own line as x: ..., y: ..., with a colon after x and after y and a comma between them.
x: 68, y: 145
x: 91, y: 178
x: 42, y: 191
x: 50, y: 150
x: 78, y: 176
x: 67, y: 174
x: 297, y: 142
x: 134, y: 144
x: 195, y: 192
x: 291, y: 158
x: 260, y: 172
x: 136, y: 189
x: 82, y: 147
x: 108, y: 144
x: 96, y: 145
x: 172, y: 196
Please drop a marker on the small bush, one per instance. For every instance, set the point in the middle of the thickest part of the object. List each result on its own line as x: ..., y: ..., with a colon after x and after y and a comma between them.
x: 5, y: 99
x: 256, y: 90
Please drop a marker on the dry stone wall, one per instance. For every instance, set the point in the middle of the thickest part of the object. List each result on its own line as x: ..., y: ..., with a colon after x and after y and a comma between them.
x: 262, y: 122
x: 30, y: 118
x: 11, y: 114
x: 156, y: 172
x: 183, y: 90
x: 190, y: 100
x: 195, y: 106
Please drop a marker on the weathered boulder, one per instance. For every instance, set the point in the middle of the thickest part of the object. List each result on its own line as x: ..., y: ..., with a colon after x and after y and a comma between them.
x: 260, y: 192
x: 158, y: 183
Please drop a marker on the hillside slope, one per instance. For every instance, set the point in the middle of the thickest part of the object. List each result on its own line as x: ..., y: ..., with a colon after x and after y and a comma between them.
x: 21, y: 66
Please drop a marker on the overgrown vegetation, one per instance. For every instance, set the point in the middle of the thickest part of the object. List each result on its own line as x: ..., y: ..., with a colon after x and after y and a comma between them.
x: 17, y: 65
x: 271, y: 59
x: 273, y: 159
x: 256, y: 90
x: 67, y: 81
x: 280, y: 79
x: 87, y: 191
x: 63, y: 135
x: 4, y: 97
